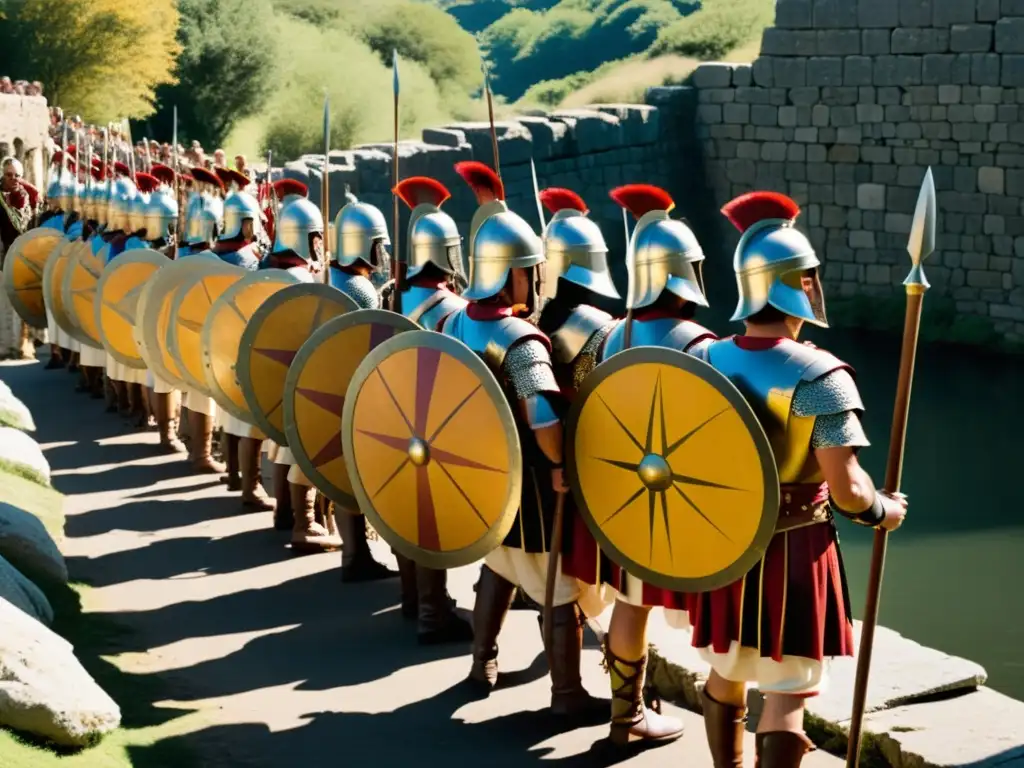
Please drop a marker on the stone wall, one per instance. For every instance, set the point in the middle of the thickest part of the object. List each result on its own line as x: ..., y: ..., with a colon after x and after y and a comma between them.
x: 849, y: 104
x: 24, y: 126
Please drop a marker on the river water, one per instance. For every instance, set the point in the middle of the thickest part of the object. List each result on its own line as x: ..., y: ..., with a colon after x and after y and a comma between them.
x: 954, y: 577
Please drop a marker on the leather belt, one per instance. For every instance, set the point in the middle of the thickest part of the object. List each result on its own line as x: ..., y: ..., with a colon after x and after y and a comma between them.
x: 803, y: 516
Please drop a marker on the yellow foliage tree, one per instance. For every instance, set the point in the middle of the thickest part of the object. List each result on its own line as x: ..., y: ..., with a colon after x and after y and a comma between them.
x: 100, y: 58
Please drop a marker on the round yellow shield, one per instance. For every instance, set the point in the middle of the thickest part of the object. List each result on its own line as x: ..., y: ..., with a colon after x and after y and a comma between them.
x: 221, y: 337
x: 190, y: 306
x: 117, y: 302
x: 270, y: 342
x: 153, y: 314
x: 432, y: 449
x: 671, y: 470
x: 78, y: 292
x: 53, y: 279
x: 314, y: 394
x: 24, y: 265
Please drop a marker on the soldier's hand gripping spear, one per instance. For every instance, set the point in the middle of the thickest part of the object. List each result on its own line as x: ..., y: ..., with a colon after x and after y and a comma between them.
x: 920, y: 246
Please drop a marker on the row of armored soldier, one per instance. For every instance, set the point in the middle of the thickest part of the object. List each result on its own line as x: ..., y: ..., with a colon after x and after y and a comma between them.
x: 776, y: 626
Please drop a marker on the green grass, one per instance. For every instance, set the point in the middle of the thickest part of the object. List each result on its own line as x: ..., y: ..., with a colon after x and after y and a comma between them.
x: 94, y: 639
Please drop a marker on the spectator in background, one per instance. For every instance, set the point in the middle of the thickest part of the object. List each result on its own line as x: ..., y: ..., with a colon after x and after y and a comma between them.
x: 242, y: 166
x: 36, y: 88
x: 5, y: 85
x: 220, y: 159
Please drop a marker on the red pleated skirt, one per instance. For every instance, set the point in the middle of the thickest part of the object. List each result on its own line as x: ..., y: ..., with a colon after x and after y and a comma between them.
x: 795, y: 602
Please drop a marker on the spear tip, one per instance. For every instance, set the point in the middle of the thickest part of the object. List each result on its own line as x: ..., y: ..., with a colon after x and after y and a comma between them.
x: 921, y: 243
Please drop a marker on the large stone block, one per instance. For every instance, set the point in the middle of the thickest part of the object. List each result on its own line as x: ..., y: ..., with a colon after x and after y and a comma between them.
x: 829, y: 14
x: 878, y: 13
x: 713, y: 75
x: 18, y: 590
x: 793, y: 14
x: 857, y: 70
x: 1010, y: 35
x: 946, y: 12
x: 1012, y: 74
x: 916, y: 13
x: 937, y: 69
x: 26, y: 545
x: 823, y: 71
x: 871, y: 197
x: 970, y: 38
x: 875, y: 42
x: 985, y: 69
x: 763, y: 71
x: 786, y: 42
x: 789, y: 73
x: 988, y: 10
x: 444, y: 137
x: 550, y: 137
x: 923, y: 40
x: 639, y: 123
x: 838, y: 42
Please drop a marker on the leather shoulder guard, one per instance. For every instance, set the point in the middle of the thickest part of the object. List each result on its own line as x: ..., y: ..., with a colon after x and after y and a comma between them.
x: 569, y: 340
x: 491, y: 339
x: 430, y: 306
x: 670, y: 332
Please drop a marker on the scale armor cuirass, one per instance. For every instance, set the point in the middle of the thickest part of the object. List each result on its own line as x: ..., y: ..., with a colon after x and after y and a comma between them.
x: 429, y: 305
x: 776, y: 382
x: 358, y: 288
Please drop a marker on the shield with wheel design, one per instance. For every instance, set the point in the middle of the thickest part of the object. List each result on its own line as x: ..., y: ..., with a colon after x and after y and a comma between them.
x: 24, y: 265
x: 79, y: 292
x: 222, y: 332
x: 314, y: 394
x: 191, y: 305
x: 53, y: 279
x: 432, y: 450
x: 117, y: 302
x: 270, y: 342
x: 153, y: 315
x: 671, y: 470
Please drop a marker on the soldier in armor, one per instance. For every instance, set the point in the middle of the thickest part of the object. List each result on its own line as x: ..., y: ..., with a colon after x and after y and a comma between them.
x: 431, y: 283
x: 93, y: 360
x: 139, y: 237
x: 161, y: 221
x: 775, y: 627
x: 665, y: 289
x: 54, y: 217
x: 299, y: 246
x: 507, y: 260
x: 237, y: 246
x: 203, y: 218
x: 360, y: 254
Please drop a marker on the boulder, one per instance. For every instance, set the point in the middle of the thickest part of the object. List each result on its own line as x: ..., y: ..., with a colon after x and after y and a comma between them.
x: 13, y: 412
x: 17, y: 590
x: 23, y: 453
x: 44, y: 690
x: 27, y: 545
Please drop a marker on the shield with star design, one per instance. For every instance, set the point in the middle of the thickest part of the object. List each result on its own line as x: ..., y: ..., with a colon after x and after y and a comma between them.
x: 314, y: 394
x: 432, y: 449
x: 190, y: 306
x: 53, y: 279
x: 671, y: 470
x: 222, y: 331
x: 271, y: 340
x: 117, y: 302
x: 78, y: 292
x: 153, y: 314
x: 24, y: 264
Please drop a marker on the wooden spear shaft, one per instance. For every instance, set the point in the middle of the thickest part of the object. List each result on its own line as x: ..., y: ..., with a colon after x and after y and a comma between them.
x: 396, y: 275
x: 922, y: 242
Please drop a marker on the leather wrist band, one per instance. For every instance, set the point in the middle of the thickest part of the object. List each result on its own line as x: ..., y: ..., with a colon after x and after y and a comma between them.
x: 557, y: 466
x: 871, y: 517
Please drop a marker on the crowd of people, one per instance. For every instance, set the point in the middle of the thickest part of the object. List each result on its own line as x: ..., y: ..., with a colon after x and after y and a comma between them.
x: 20, y: 87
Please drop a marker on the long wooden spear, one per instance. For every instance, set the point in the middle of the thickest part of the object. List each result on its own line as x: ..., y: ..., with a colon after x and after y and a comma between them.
x: 179, y: 226
x: 627, y: 332
x: 920, y: 247
x: 490, y: 116
x: 396, y: 275
x: 325, y: 184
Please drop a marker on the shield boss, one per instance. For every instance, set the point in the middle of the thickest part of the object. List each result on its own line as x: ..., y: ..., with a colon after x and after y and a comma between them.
x: 671, y: 470
x: 432, y: 448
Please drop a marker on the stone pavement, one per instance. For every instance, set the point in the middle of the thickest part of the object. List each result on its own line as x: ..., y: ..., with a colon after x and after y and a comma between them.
x: 266, y: 659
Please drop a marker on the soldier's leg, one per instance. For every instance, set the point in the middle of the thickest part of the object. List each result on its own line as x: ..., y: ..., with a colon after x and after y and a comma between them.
x: 308, y: 536
x: 27, y: 346
x: 231, y: 450
x: 57, y: 359
x: 437, y: 620
x: 626, y: 657
x: 254, y: 498
x: 357, y: 563
x: 167, y: 423
x: 781, y: 741
x: 136, y: 404
x: 72, y: 357
x: 493, y: 601
x: 725, y: 714
x: 201, y: 443
x: 284, y: 517
x: 409, y: 586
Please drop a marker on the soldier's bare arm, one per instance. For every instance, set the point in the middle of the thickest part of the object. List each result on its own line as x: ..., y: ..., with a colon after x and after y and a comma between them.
x: 835, y: 404
x: 528, y: 368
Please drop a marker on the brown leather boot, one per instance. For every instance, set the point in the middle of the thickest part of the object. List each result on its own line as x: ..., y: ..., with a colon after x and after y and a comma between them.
x: 357, y: 563
x: 407, y: 580
x: 254, y: 498
x: 632, y: 720
x: 724, y: 726
x: 167, y: 424
x: 781, y: 749
x: 568, y: 696
x: 136, y: 405
x: 72, y: 358
x: 437, y: 621
x: 232, y: 478
x: 200, y: 429
x: 284, y: 520
x: 493, y: 601
x: 102, y: 387
x: 56, y: 358
x: 308, y: 536
x: 124, y: 405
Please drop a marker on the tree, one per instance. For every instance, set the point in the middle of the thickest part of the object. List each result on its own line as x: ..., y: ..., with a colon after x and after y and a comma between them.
x: 223, y: 71
x: 101, y: 58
